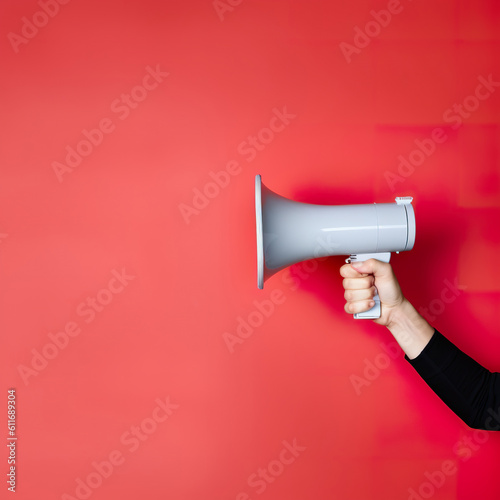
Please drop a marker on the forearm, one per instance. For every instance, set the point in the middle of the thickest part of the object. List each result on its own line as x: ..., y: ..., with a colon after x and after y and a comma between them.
x: 469, y: 389
x: 409, y: 329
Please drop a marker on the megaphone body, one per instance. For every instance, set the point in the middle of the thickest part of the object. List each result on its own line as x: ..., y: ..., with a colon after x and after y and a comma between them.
x: 289, y: 232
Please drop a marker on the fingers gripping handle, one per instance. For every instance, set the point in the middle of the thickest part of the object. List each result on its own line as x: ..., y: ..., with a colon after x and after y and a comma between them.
x: 374, y: 312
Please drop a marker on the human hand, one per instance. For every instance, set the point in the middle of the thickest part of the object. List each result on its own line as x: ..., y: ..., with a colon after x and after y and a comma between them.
x: 363, y: 279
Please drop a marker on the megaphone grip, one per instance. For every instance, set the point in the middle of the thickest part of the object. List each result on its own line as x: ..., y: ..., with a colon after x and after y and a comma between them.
x: 374, y: 312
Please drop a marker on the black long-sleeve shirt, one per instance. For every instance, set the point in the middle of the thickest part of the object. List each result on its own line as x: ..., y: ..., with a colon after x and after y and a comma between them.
x: 469, y: 389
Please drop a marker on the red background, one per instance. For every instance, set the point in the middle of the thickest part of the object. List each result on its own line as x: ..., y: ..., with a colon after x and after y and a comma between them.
x: 120, y: 208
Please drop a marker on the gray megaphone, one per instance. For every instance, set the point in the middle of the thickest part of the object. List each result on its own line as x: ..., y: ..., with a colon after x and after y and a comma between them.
x: 289, y: 232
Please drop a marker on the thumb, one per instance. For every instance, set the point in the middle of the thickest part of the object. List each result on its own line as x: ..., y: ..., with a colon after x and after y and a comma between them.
x: 372, y: 266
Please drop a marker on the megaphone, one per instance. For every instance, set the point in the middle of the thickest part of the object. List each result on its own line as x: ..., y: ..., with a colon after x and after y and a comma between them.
x: 289, y: 232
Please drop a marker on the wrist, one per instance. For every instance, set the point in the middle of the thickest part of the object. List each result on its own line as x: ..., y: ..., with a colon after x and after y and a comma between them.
x: 400, y: 314
x: 410, y: 329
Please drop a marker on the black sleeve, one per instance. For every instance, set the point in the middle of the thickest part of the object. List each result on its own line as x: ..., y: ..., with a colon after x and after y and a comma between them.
x: 469, y: 389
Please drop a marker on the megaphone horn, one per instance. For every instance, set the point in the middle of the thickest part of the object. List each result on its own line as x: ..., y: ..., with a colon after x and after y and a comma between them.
x: 289, y: 232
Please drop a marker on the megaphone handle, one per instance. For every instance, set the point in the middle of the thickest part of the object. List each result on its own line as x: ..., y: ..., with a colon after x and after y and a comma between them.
x: 374, y: 312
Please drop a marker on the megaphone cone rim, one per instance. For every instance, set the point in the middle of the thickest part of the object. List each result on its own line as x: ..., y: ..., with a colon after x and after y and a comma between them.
x: 260, y: 237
